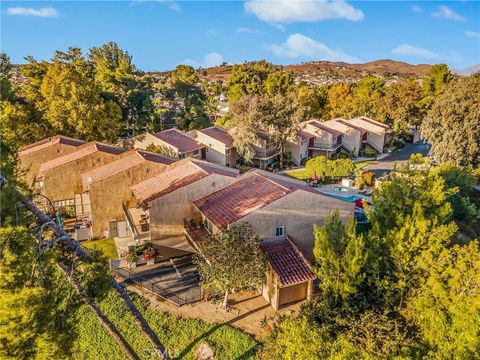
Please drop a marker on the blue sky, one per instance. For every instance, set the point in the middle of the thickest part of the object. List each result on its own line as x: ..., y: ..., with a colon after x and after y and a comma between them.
x: 161, y: 34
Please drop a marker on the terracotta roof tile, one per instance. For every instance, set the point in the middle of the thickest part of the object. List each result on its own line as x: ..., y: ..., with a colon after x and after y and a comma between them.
x: 219, y: 134
x: 240, y: 199
x: 288, y: 263
x: 42, y: 144
x: 178, y: 174
x: 179, y: 140
x: 82, y: 151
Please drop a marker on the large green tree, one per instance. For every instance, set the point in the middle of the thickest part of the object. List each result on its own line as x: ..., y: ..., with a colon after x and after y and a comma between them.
x: 452, y: 125
x: 232, y: 260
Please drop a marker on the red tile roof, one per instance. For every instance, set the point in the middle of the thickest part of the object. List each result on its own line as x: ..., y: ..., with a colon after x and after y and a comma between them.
x: 178, y: 174
x: 219, y: 134
x: 240, y: 199
x: 179, y: 140
x: 319, y: 125
x: 126, y: 161
x: 57, y: 139
x: 81, y: 152
x: 288, y: 263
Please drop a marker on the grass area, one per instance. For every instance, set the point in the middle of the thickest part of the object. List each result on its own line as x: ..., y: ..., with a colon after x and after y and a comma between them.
x: 180, y: 336
x: 362, y: 164
x: 107, y: 246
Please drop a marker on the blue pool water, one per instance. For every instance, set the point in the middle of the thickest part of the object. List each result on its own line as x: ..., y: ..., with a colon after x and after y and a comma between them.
x: 350, y: 198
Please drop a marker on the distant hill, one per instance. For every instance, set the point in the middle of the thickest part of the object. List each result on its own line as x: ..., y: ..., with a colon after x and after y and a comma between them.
x: 468, y: 71
x: 384, y: 67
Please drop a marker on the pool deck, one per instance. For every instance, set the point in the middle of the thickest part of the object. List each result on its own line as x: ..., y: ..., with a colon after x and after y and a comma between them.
x: 330, y: 189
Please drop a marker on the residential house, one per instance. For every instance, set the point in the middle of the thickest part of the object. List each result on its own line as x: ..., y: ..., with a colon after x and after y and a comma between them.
x: 351, y: 136
x: 32, y: 156
x: 327, y: 141
x: 266, y: 152
x: 172, y: 142
x: 162, y: 203
x: 108, y: 189
x: 60, y: 179
x: 298, y: 148
x: 277, y: 208
x: 376, y: 134
x: 219, y: 148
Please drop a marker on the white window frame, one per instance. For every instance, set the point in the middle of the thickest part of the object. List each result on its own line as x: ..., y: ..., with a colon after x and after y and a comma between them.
x: 227, y: 151
x: 282, y: 230
x: 196, y: 152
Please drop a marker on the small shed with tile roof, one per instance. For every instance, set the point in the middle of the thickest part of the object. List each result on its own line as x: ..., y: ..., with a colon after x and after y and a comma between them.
x: 289, y: 277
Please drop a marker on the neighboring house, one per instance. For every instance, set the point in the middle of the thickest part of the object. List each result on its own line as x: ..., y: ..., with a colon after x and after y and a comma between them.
x: 265, y: 151
x: 277, y: 208
x: 61, y: 181
x: 108, y: 189
x: 326, y: 141
x: 351, y: 136
x: 32, y: 156
x: 377, y: 134
x: 299, y: 147
x: 173, y: 142
x: 163, y: 202
x: 219, y: 148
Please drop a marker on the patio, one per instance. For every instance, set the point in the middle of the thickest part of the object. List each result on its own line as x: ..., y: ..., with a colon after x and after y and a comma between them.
x: 175, y: 281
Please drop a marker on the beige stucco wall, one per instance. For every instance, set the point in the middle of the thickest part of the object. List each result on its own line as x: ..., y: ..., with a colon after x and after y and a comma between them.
x: 293, y: 293
x: 322, y: 137
x: 299, y: 149
x: 298, y: 212
x: 375, y: 133
x: 29, y: 163
x: 351, y: 137
x: 64, y: 181
x: 216, y: 150
x: 167, y: 212
x: 107, y: 195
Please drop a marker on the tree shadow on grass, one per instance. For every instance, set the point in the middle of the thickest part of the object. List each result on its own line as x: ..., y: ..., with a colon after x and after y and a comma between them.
x: 249, y: 353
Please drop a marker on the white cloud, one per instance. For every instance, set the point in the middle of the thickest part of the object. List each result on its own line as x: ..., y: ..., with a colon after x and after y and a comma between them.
x: 447, y: 13
x: 171, y: 4
x: 208, y: 60
x: 290, y: 11
x: 417, y: 9
x: 246, y: 30
x: 413, y: 51
x: 472, y: 34
x: 41, y: 12
x: 298, y: 45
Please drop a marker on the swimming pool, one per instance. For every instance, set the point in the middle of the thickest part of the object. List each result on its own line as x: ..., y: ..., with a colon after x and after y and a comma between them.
x: 350, y: 198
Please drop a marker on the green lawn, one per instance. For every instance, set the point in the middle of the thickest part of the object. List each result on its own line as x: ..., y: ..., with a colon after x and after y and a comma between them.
x: 107, y: 246
x: 362, y: 164
x: 180, y: 336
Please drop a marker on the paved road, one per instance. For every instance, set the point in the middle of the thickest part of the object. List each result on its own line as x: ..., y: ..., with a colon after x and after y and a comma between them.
x: 385, y: 165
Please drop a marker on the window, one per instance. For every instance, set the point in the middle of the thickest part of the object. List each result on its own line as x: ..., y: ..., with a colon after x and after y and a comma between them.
x: 181, y: 156
x: 227, y: 151
x: 196, y: 152
x: 227, y: 164
x: 279, y: 231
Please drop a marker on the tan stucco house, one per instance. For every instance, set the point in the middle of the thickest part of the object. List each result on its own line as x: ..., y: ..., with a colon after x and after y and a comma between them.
x: 326, y: 141
x: 278, y: 209
x: 164, y: 202
x: 172, y: 142
x: 60, y: 179
x: 32, y: 156
x: 219, y: 145
x: 351, y: 136
x: 376, y: 134
x: 108, y: 188
x: 266, y: 152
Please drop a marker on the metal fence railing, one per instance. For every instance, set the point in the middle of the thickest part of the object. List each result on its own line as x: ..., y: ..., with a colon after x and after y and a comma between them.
x: 179, y: 293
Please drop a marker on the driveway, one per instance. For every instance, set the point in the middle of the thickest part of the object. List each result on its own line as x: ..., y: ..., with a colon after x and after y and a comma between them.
x: 385, y: 165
